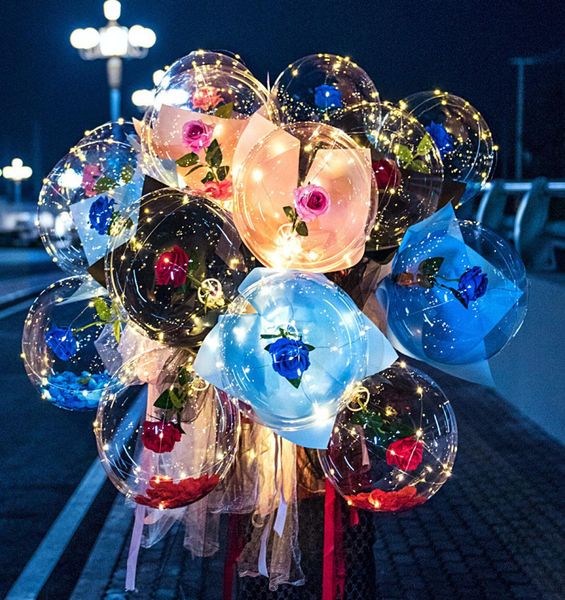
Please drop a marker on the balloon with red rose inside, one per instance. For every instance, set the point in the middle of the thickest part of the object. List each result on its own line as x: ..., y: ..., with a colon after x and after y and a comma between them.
x: 394, y: 443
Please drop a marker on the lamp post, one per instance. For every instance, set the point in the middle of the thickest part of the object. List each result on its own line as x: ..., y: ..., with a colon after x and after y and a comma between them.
x: 113, y: 42
x: 143, y: 98
x: 17, y: 172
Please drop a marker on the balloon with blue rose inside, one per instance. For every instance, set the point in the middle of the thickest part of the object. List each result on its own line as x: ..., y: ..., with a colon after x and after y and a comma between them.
x: 291, y: 347
x: 457, y: 292
x: 83, y: 199
x: 70, y: 343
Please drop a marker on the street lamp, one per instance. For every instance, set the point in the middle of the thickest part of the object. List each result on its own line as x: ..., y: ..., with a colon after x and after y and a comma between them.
x: 17, y: 172
x: 113, y: 42
x: 143, y: 98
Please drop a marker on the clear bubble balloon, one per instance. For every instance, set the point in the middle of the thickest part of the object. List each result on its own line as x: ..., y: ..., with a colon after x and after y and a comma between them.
x: 328, y: 89
x: 291, y: 346
x: 306, y: 198
x: 166, y: 438
x: 84, y: 198
x: 181, y: 269
x: 394, y: 444
x: 463, y: 139
x: 202, y: 107
x: 119, y: 131
x: 70, y: 342
x: 408, y: 172
x: 457, y: 292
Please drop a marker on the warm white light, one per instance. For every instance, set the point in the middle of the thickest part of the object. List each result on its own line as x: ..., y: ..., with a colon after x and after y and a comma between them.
x: 142, y: 37
x: 158, y: 76
x: 17, y: 171
x: 114, y: 41
x: 112, y: 10
x: 142, y: 98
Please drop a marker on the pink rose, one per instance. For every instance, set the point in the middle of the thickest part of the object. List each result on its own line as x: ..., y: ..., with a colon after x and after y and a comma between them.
x: 197, y: 135
x: 206, y: 97
x: 311, y: 201
x: 90, y: 175
x: 219, y: 190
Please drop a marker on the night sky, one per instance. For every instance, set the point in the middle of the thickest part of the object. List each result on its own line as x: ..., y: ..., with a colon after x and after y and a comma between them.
x: 49, y: 95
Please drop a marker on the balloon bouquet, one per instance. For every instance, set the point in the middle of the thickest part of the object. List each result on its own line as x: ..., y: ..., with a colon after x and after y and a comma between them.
x: 242, y: 264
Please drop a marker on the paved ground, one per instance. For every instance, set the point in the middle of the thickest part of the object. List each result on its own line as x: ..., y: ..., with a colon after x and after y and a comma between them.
x: 494, y: 531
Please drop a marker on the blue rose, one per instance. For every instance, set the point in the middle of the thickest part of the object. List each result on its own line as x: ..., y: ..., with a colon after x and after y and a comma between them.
x: 441, y: 138
x: 100, y: 214
x: 327, y: 96
x: 62, y: 342
x: 472, y: 285
x: 290, y: 358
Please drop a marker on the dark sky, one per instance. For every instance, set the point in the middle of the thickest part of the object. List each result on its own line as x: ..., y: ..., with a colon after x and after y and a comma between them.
x: 406, y: 46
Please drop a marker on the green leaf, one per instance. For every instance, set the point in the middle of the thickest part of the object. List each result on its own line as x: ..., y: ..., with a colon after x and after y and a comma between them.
x: 225, y: 111
x: 290, y: 213
x: 419, y: 166
x: 425, y: 145
x: 175, y: 400
x: 127, y: 173
x: 84, y: 380
x: 187, y: 160
x: 425, y: 281
x: 193, y: 264
x: 183, y: 376
x: 295, y: 382
x: 193, y: 169
x: 460, y: 297
x: 214, y: 154
x: 117, y: 330
x: 269, y: 336
x: 301, y: 228
x: 164, y: 401
x: 268, y: 347
x: 104, y: 184
x: 222, y: 172
x: 103, y: 311
x: 310, y: 348
x: 431, y: 266
x: 403, y: 154
x: 208, y: 177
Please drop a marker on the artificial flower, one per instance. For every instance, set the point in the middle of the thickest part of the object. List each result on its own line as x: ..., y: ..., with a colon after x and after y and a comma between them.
x: 472, y: 285
x: 90, y: 175
x: 443, y: 140
x: 290, y: 357
x: 387, y: 174
x: 197, y: 135
x: 406, y: 453
x: 379, y: 500
x: 101, y: 213
x: 164, y: 493
x: 160, y: 436
x: 171, y: 267
x: 62, y: 342
x: 327, y: 96
x: 219, y: 190
x: 311, y: 201
x: 206, y: 97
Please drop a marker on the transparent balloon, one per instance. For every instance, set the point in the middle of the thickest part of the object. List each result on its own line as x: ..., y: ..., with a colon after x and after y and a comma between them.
x: 394, y: 444
x: 165, y: 438
x: 119, y: 131
x: 306, y: 198
x: 84, y: 198
x: 181, y: 269
x: 328, y: 89
x: 291, y: 346
x: 69, y: 331
x: 409, y: 174
x: 457, y: 292
x: 202, y: 108
x: 463, y: 138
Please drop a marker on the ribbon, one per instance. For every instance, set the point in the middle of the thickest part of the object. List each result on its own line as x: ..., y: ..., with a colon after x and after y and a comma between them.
x: 134, y: 546
x: 333, y: 579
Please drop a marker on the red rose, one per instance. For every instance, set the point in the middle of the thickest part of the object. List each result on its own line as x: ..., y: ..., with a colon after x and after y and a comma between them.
x: 165, y: 493
x: 159, y: 436
x: 405, y: 454
x: 171, y: 267
x: 387, y: 174
x: 381, y: 501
